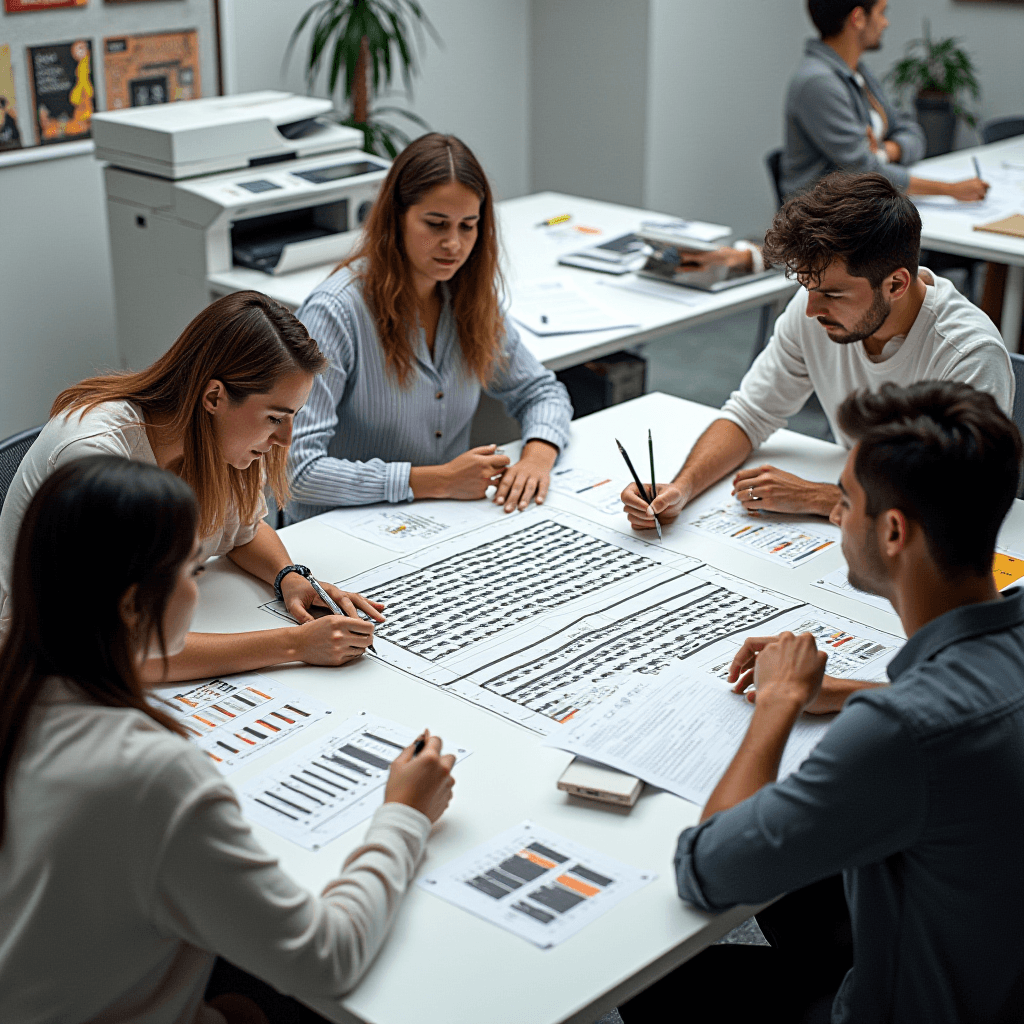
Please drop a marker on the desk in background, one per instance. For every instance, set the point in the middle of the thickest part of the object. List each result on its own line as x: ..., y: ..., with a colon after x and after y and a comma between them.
x: 951, y: 228
x: 441, y: 965
x: 531, y: 254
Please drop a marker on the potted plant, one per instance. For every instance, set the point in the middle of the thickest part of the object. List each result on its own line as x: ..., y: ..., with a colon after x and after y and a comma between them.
x: 362, y: 41
x: 940, y: 73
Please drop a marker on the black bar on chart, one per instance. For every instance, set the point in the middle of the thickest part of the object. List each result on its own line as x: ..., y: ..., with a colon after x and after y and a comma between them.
x: 590, y: 876
x: 492, y: 890
x: 522, y: 868
x: 380, y: 739
x: 534, y: 912
x: 557, y: 898
x: 546, y: 851
x: 365, y: 755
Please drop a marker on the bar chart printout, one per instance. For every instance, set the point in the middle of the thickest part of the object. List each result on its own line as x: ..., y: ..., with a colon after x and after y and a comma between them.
x: 332, y: 783
x: 235, y: 720
x: 535, y: 883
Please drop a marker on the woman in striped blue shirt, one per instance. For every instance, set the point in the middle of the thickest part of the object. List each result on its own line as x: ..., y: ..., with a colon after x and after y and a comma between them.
x: 412, y: 327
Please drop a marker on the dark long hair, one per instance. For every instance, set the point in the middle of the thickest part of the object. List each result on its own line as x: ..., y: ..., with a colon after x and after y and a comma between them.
x: 245, y: 340
x: 430, y: 161
x: 97, y: 526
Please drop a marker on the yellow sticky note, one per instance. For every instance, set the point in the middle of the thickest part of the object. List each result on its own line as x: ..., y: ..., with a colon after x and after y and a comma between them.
x: 1006, y: 569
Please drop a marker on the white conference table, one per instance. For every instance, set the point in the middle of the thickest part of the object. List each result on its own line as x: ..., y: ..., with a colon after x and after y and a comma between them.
x: 441, y: 964
x: 952, y: 229
x: 531, y: 254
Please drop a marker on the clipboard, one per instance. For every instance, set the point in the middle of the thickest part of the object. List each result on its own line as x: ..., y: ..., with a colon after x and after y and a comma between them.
x: 1013, y: 225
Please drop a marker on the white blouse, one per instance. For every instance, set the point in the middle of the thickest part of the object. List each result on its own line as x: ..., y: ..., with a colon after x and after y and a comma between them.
x: 110, y: 428
x: 127, y: 867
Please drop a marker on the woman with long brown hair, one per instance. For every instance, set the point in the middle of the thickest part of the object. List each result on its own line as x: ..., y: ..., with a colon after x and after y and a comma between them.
x: 412, y: 327
x: 126, y: 866
x: 217, y: 409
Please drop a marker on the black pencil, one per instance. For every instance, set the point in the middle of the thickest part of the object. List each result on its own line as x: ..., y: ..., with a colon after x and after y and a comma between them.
x: 639, y: 486
x: 654, y: 486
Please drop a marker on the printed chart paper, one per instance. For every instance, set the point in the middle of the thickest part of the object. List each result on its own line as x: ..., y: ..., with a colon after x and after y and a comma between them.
x: 234, y: 720
x: 1007, y: 569
x: 535, y: 883
x: 598, y: 490
x: 406, y: 528
x: 770, y: 535
x: 331, y: 784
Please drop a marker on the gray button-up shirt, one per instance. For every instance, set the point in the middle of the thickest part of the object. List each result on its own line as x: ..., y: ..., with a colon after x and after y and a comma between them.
x: 916, y: 794
x: 827, y: 115
x: 360, y: 432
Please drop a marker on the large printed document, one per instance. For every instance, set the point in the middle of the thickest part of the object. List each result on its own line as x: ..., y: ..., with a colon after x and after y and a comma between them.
x: 539, y: 617
x: 535, y: 883
x: 680, y: 730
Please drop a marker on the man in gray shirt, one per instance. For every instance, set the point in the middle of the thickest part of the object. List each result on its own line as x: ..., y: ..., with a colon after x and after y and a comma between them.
x: 916, y: 793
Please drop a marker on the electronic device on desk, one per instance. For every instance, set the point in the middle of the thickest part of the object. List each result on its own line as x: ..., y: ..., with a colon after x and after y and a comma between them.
x: 617, y: 256
x: 666, y: 251
x: 597, y: 782
x: 208, y: 196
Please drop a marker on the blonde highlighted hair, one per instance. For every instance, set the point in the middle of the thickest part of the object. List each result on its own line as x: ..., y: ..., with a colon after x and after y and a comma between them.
x: 246, y: 341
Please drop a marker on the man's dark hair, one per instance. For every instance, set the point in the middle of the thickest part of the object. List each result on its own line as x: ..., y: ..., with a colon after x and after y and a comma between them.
x: 829, y: 16
x: 946, y: 456
x: 862, y: 219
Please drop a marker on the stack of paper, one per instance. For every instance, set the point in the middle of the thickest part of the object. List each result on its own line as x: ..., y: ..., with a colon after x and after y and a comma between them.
x: 549, y: 307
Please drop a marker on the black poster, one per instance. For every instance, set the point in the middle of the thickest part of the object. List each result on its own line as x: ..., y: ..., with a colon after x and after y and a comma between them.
x: 62, y: 90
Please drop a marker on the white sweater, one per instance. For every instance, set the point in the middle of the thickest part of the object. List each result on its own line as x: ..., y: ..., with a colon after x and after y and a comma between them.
x: 111, y: 428
x: 127, y: 867
x: 951, y: 340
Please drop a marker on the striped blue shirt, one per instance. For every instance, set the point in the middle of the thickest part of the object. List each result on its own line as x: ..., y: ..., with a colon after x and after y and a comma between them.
x: 360, y: 432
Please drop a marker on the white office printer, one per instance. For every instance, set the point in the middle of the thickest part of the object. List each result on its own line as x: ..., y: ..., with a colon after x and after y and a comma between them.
x: 210, y: 196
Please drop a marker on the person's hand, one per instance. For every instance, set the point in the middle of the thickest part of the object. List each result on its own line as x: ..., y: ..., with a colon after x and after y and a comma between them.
x: 468, y: 476
x: 971, y: 190
x: 894, y: 151
x: 769, y: 489
x: 872, y: 139
x: 424, y: 781
x: 786, y: 670
x: 668, y: 502
x: 299, y: 596
x: 734, y: 259
x: 830, y: 699
x: 331, y: 640
x: 528, y: 478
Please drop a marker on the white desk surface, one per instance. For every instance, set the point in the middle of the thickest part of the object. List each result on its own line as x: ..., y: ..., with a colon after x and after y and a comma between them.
x: 442, y: 964
x: 531, y: 254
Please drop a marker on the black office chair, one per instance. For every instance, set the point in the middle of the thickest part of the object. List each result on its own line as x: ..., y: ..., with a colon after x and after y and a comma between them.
x: 774, y: 163
x: 998, y: 128
x: 12, y: 451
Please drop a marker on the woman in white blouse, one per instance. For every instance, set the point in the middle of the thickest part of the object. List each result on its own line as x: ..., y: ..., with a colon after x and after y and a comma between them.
x: 126, y: 866
x: 217, y: 410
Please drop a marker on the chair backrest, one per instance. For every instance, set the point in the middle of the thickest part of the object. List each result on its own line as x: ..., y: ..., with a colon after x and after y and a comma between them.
x: 12, y: 451
x: 1017, y: 362
x: 998, y: 128
x: 774, y: 163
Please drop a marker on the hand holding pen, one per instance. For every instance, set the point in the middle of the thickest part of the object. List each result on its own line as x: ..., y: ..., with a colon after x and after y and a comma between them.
x: 649, y: 497
x: 421, y: 777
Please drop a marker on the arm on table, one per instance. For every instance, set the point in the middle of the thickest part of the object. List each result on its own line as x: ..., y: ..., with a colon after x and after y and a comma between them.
x: 970, y: 190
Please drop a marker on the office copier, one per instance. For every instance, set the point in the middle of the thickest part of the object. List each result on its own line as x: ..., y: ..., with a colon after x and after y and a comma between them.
x: 216, y: 195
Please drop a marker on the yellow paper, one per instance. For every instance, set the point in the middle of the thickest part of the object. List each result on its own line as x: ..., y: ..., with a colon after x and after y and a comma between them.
x: 1007, y: 569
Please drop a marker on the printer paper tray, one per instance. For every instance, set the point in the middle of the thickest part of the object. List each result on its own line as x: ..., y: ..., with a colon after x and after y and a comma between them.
x: 299, y: 255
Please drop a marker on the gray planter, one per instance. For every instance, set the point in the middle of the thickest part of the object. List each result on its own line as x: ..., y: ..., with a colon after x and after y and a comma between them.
x: 936, y: 117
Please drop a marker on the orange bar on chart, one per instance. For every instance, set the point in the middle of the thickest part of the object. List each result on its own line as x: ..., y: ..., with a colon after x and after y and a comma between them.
x: 542, y: 861
x: 581, y: 887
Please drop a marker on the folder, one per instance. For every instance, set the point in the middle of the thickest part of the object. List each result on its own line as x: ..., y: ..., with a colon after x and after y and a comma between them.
x: 1013, y: 225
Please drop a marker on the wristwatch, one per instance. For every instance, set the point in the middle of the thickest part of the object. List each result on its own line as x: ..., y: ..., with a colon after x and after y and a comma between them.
x: 302, y: 570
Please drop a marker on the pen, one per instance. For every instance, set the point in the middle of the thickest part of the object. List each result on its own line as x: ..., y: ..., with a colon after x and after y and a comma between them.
x: 420, y: 744
x: 639, y: 486
x: 550, y: 222
x: 326, y: 598
x: 654, y: 486
x: 977, y: 168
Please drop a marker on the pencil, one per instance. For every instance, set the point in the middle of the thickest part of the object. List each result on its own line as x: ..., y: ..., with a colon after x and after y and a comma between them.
x: 639, y: 486
x: 654, y: 486
x: 977, y: 168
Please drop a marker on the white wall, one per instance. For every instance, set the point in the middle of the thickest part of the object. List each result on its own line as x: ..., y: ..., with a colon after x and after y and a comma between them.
x: 716, y: 88
x: 475, y: 86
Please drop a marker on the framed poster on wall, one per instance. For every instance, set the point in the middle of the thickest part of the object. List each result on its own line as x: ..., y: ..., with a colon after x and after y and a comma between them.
x: 22, y: 6
x: 63, y: 93
x: 10, y: 132
x: 161, y: 67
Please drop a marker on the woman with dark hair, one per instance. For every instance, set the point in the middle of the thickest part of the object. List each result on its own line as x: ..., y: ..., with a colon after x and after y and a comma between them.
x: 125, y: 864
x: 217, y: 410
x: 412, y: 327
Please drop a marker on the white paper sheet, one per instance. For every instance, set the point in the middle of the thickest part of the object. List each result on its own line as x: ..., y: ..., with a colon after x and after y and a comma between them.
x: 1005, y: 195
x: 412, y: 527
x: 783, y: 539
x: 680, y: 730
x: 550, y: 307
x: 331, y: 784
x: 535, y: 883
x: 598, y: 490
x: 235, y: 720
x: 658, y: 290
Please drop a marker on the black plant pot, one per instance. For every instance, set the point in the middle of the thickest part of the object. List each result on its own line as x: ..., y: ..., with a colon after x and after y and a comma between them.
x: 936, y: 117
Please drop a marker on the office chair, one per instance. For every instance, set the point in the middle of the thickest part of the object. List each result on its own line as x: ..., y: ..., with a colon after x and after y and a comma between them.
x: 774, y: 163
x: 12, y: 451
x: 995, y: 129
x: 1017, y: 362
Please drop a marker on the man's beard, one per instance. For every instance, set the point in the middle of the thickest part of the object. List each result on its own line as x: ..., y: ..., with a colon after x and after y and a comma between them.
x: 876, y: 315
x: 873, y: 564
